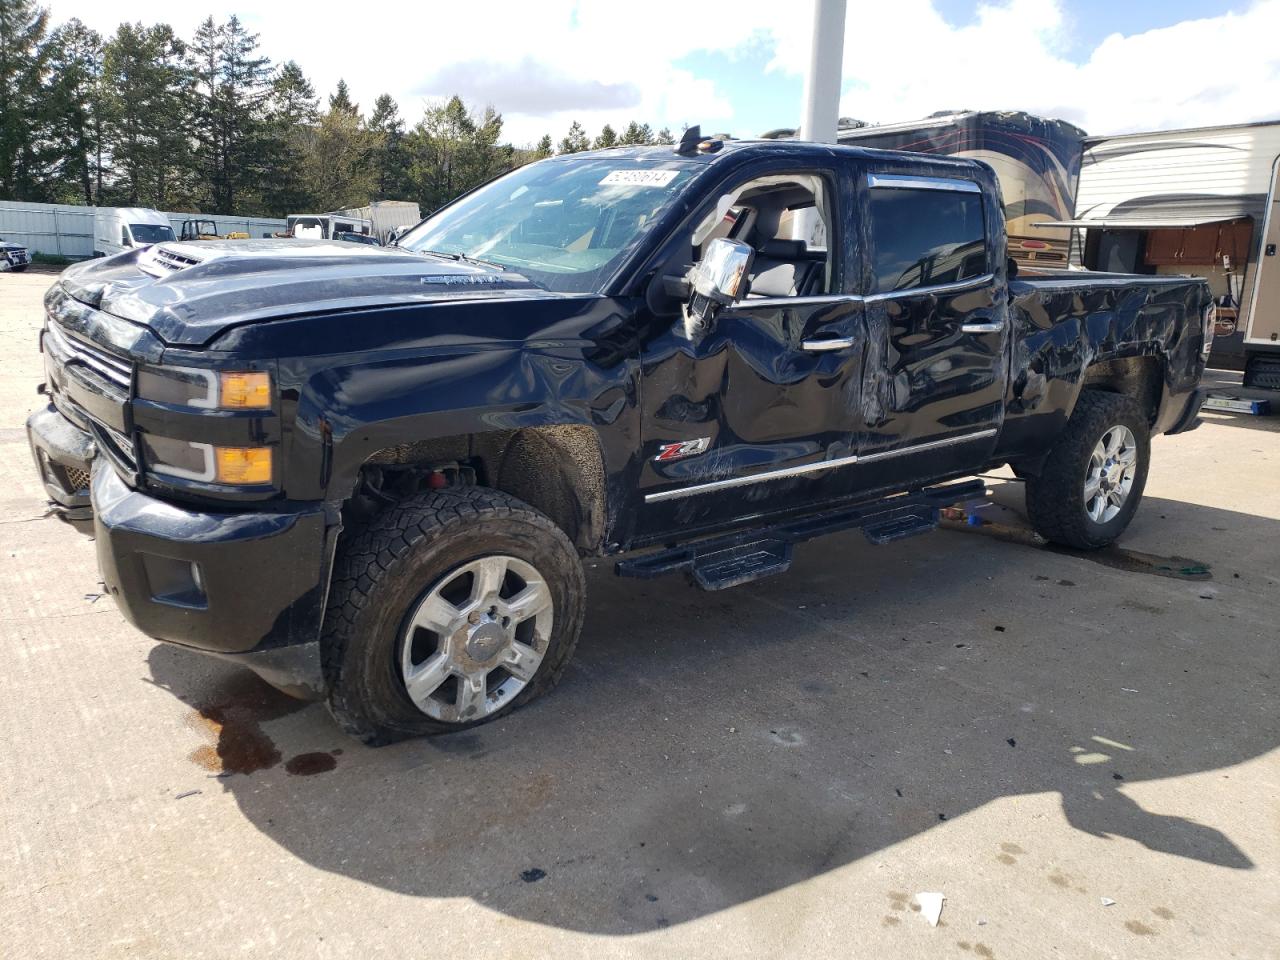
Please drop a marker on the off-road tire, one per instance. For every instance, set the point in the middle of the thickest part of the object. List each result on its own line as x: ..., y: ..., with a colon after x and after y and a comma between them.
x: 19, y: 269
x: 1055, y: 498
x: 383, y: 569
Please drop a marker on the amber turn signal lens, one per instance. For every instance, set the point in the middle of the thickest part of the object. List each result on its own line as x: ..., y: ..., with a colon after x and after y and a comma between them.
x: 243, y: 465
x: 245, y: 391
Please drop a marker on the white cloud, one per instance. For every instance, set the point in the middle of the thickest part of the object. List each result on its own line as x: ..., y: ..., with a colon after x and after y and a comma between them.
x: 902, y: 60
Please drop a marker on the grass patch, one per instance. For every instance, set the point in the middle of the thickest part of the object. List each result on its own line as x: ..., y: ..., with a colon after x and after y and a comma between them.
x: 51, y: 260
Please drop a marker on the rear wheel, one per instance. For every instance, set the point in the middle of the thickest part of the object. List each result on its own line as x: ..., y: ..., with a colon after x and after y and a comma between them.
x: 447, y: 611
x: 1092, y: 481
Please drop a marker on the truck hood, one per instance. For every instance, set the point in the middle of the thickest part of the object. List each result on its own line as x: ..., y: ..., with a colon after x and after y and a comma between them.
x: 6, y: 245
x: 189, y: 293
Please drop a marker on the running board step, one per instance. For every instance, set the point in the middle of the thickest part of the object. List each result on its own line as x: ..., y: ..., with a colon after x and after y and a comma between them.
x: 734, y: 566
x: 741, y: 557
x: 902, y: 526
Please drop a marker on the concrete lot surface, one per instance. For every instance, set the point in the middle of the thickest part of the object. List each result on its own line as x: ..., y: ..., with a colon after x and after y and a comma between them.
x: 771, y: 771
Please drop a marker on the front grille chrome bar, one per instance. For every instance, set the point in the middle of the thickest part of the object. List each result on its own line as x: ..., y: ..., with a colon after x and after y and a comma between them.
x: 108, y: 366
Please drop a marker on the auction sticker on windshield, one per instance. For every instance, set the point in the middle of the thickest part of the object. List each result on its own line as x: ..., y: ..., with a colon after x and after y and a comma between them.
x: 639, y: 178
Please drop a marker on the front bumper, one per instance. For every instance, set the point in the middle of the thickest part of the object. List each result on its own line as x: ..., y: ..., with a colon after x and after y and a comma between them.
x: 245, y: 586
x: 63, y: 454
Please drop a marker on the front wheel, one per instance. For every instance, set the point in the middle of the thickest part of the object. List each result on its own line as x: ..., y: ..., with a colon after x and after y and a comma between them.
x: 447, y: 611
x: 1092, y: 481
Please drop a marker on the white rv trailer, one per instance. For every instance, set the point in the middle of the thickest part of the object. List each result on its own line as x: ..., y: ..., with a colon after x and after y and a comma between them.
x: 1201, y: 202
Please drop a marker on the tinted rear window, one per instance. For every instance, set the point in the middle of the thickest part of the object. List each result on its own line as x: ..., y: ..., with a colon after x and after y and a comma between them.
x: 922, y: 238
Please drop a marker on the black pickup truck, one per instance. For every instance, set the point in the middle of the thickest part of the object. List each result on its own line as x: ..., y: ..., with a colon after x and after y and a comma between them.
x: 370, y: 474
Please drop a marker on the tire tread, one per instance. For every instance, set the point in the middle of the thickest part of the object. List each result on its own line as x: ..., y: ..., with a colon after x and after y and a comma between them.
x: 375, y: 552
x: 1055, y: 497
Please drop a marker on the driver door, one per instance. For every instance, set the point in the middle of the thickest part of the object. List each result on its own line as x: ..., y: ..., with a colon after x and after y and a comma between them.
x: 755, y: 416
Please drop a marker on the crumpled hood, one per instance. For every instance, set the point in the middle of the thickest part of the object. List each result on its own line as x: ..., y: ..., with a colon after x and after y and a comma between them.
x: 189, y: 293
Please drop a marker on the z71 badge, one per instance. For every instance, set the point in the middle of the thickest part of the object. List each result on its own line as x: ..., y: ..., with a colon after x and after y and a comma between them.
x: 685, y: 448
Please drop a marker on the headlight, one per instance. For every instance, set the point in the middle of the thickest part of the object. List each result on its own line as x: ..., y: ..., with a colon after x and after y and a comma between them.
x: 206, y: 389
x: 235, y: 466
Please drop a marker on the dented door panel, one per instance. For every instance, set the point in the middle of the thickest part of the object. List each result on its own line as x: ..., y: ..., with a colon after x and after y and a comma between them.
x: 762, y: 402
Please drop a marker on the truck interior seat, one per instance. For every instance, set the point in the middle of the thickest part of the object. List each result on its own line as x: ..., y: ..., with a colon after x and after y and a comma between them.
x: 785, y: 268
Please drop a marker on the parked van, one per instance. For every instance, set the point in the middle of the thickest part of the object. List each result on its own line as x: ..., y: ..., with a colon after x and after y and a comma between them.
x: 116, y: 229
x: 326, y: 226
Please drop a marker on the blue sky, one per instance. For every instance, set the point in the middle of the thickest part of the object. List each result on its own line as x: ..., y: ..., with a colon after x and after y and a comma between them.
x: 761, y: 100
x: 1110, y: 66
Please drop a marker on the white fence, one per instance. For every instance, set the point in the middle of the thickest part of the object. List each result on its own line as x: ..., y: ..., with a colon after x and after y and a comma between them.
x: 67, y: 230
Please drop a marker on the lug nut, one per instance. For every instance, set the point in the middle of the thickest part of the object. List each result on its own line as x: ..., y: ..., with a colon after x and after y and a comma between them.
x: 473, y: 617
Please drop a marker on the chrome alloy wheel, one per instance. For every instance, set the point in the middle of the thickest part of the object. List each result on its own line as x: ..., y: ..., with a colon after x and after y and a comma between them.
x: 476, y: 639
x: 1109, y: 478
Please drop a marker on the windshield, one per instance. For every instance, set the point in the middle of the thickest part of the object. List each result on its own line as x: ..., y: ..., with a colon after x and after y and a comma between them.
x: 150, y: 233
x: 564, y: 224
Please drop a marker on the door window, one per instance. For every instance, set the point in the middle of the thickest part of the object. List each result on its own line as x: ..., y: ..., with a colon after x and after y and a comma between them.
x: 786, y: 218
x: 926, y: 237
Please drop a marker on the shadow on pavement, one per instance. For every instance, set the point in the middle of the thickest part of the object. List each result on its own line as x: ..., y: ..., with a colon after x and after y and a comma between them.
x: 707, y: 749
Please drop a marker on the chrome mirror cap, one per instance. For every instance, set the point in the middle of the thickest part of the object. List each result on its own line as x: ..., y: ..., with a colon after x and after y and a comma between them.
x: 721, y: 274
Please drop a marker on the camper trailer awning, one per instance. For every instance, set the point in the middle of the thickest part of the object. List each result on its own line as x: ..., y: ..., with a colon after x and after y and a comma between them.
x: 1132, y: 223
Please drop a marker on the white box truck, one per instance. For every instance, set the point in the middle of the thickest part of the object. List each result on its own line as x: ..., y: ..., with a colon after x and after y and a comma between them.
x: 387, y: 216
x: 116, y: 229
x: 326, y: 226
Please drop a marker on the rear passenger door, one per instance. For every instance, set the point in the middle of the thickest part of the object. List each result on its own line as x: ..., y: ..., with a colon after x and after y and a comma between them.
x: 936, y: 321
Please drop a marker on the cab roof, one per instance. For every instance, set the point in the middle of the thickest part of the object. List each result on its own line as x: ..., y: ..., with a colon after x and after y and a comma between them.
x: 801, y: 150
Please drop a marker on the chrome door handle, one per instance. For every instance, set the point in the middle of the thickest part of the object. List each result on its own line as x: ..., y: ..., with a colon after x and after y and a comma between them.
x: 829, y: 343
x: 994, y: 326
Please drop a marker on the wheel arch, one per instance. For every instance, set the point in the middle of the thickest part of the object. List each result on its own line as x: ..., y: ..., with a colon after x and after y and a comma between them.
x: 1140, y: 376
x: 558, y: 469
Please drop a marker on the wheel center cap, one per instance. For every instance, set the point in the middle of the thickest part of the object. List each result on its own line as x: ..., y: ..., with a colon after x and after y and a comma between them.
x: 485, y: 640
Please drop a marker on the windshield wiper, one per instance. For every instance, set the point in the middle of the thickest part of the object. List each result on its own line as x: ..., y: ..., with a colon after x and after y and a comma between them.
x: 461, y: 256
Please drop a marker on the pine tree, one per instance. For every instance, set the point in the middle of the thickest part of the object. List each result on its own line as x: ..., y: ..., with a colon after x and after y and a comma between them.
x: 635, y: 134
x: 340, y: 99
x: 608, y: 138
x: 232, y: 89
x: 664, y: 136
x: 72, y: 111
x: 144, y: 108
x: 575, y: 141
x: 22, y: 64
x: 390, y: 155
x: 544, y: 148
x: 292, y: 116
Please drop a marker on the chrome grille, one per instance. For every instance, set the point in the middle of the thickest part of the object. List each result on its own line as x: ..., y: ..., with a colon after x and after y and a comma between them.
x: 108, y: 366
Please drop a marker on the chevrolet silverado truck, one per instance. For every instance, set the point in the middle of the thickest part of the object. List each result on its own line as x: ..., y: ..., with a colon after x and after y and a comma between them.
x: 371, y: 474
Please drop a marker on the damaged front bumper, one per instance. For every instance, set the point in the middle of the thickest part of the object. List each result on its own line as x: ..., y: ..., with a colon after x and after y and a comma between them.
x: 248, y: 587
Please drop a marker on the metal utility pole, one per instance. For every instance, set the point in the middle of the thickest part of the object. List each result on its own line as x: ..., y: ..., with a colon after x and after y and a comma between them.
x: 821, y: 113
x: 822, y: 83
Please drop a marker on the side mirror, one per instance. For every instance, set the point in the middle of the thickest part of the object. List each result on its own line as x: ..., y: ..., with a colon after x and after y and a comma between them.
x: 717, y: 280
